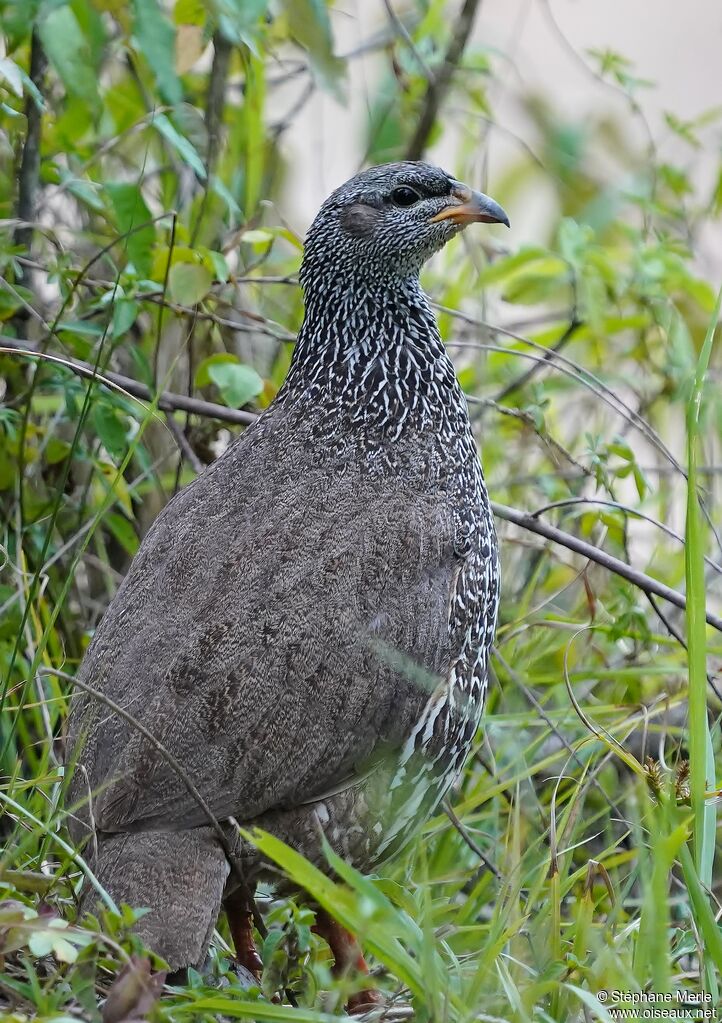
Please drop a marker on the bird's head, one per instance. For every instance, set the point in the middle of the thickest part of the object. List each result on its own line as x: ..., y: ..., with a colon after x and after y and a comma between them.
x: 388, y: 220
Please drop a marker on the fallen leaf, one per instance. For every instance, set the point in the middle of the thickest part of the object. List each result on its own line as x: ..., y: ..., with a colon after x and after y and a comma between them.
x: 133, y: 993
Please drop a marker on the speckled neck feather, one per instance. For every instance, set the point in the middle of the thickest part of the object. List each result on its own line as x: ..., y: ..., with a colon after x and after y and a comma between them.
x: 374, y: 346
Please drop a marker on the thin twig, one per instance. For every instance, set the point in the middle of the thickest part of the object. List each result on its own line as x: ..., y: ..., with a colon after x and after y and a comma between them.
x: 475, y: 848
x: 401, y: 30
x: 568, y: 502
x: 522, y: 416
x: 439, y: 84
x: 644, y: 582
x: 168, y: 401
x: 215, y: 98
x: 573, y: 370
x: 523, y: 380
x: 184, y: 446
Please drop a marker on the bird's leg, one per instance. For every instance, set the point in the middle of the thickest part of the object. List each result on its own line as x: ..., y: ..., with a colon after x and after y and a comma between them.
x: 347, y: 956
x: 239, y: 910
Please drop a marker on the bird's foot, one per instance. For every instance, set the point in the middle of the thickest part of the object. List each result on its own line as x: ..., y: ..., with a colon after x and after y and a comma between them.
x: 347, y: 957
x: 239, y: 910
x: 249, y: 960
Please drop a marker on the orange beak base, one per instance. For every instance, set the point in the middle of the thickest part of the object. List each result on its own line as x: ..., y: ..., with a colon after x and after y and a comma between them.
x: 472, y: 208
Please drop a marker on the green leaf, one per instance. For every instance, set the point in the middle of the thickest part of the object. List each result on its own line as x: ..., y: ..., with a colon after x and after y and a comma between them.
x: 504, y: 269
x: 574, y: 239
x: 181, y: 144
x: 309, y: 24
x: 63, y: 951
x: 236, y: 382
x: 703, y: 914
x: 110, y: 429
x: 357, y: 915
x: 156, y: 38
x: 80, y: 327
x: 56, y: 450
x: 40, y: 943
x: 17, y: 19
x: 133, y: 218
x: 93, y: 28
x: 641, y: 482
x: 536, y: 280
x: 125, y: 311
x: 12, y: 75
x: 123, y: 531
x: 271, y: 942
x: 253, y: 132
x: 69, y: 52
x: 242, y: 1007
x: 202, y: 377
x: 217, y: 262
x: 189, y: 12
x: 592, y: 1002
x: 222, y: 192
x: 237, y: 17
x: 188, y: 283
x: 701, y: 757
x: 257, y: 236
x: 85, y: 191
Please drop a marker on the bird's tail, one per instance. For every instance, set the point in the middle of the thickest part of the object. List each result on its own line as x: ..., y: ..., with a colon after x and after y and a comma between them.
x: 179, y: 876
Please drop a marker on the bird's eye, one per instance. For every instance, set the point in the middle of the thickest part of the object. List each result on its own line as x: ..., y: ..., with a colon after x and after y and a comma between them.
x: 405, y: 196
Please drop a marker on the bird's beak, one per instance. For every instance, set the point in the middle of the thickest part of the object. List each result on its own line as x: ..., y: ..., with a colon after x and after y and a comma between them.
x: 470, y: 207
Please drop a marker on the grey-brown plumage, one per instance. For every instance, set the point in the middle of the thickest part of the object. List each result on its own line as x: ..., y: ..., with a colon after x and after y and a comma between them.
x: 306, y: 626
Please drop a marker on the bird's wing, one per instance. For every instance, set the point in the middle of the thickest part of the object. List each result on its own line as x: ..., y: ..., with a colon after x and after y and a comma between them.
x: 281, y: 624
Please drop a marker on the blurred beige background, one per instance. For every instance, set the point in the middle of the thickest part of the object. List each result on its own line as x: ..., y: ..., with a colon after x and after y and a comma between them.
x: 540, y: 45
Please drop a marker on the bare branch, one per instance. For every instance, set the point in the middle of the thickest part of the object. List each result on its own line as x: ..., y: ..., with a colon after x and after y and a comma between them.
x: 168, y: 402
x: 216, y: 96
x: 215, y: 100
x: 570, y: 502
x: 474, y: 846
x: 439, y: 84
x: 645, y: 582
x: 523, y: 380
x: 29, y: 176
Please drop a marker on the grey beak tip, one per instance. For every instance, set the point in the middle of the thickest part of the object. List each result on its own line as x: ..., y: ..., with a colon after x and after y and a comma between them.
x: 496, y: 213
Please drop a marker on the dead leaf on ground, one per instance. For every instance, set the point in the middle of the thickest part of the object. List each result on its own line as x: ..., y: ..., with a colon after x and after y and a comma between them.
x: 133, y: 993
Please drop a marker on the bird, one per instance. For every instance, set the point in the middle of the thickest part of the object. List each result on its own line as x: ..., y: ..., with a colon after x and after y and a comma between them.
x: 301, y: 642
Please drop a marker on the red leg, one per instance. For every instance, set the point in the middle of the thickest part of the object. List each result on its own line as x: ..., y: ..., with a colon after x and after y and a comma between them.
x: 239, y: 910
x: 348, y: 957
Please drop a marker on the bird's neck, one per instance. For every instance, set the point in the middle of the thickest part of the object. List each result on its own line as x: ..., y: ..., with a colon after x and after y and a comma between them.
x: 374, y: 348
